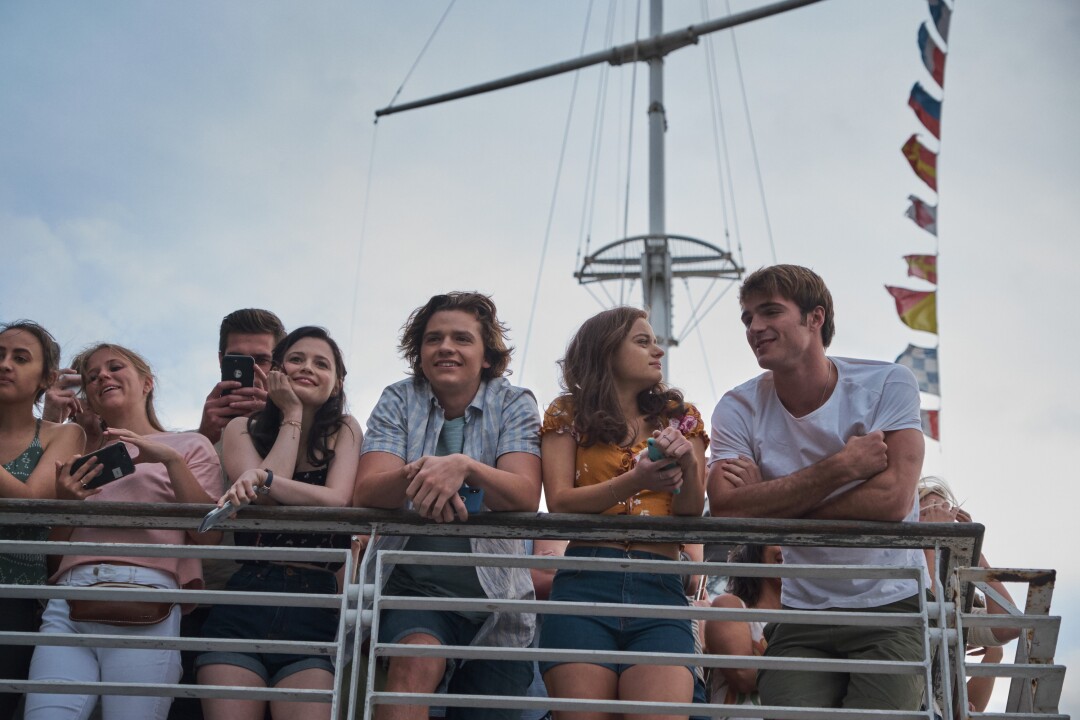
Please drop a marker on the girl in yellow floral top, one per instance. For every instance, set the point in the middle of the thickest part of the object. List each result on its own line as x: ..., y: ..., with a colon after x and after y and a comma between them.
x: 594, y: 459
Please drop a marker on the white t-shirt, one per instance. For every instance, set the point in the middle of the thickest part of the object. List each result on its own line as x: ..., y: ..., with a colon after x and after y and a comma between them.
x: 869, y: 396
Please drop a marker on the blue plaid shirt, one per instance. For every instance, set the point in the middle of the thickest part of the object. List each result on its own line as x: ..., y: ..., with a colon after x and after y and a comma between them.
x: 501, y: 418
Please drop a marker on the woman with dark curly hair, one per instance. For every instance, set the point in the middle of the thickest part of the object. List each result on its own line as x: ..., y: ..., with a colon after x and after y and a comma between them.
x: 594, y: 454
x: 302, y: 449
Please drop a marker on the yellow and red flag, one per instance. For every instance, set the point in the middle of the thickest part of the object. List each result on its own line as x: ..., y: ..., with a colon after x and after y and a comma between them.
x: 922, y: 266
x: 916, y: 308
x: 922, y: 161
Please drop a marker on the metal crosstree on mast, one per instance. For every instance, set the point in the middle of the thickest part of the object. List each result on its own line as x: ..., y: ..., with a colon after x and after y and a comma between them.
x: 650, y: 256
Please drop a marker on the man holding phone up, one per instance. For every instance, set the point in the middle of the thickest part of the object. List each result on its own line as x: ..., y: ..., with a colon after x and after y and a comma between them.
x: 250, y: 332
x: 455, y: 427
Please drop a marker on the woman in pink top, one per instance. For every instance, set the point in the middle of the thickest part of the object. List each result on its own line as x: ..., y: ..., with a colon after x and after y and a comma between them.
x: 169, y: 467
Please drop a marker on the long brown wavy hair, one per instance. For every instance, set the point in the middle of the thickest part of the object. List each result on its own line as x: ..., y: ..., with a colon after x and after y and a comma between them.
x: 588, y: 380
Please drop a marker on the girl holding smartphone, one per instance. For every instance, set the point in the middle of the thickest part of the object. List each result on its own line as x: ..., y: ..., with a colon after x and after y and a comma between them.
x: 118, y: 385
x: 302, y: 449
x: 594, y: 453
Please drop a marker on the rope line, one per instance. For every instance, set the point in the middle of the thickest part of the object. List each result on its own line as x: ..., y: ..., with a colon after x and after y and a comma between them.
x: 554, y: 196
x: 422, y: 51
x: 630, y: 148
x: 753, y: 142
x: 361, y: 238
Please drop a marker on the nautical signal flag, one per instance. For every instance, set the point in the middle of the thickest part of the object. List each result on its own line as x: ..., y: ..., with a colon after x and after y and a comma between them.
x: 931, y: 420
x: 922, y: 266
x: 917, y: 309
x: 932, y: 56
x: 942, y: 14
x: 924, y: 215
x: 927, y: 109
x: 922, y: 160
x: 923, y: 362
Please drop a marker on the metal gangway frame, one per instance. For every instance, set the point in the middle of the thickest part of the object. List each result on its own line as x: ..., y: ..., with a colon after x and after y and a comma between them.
x: 1036, y: 681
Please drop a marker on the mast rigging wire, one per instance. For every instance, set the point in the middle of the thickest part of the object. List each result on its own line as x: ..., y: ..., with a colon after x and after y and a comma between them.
x: 753, y: 142
x: 716, y: 116
x: 554, y: 195
x: 360, y: 240
x: 423, y: 50
x: 370, y: 173
x: 630, y: 147
x: 592, y: 172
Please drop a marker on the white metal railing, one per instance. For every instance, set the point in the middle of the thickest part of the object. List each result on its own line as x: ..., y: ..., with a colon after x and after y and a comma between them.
x: 1036, y: 680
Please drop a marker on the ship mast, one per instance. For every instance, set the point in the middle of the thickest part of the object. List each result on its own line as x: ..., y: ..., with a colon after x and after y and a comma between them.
x: 648, y: 257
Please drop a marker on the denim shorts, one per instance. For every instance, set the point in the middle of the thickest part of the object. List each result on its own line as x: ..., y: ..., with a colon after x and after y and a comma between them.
x: 610, y: 634
x: 475, y: 677
x: 268, y: 622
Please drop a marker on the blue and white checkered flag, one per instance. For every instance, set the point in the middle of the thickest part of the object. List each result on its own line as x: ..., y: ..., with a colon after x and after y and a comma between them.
x: 923, y: 362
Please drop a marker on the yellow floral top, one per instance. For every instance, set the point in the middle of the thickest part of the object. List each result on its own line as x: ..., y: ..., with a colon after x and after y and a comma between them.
x: 603, y: 461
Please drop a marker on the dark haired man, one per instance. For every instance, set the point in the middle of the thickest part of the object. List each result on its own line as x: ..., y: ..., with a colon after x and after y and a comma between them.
x: 830, y: 438
x: 456, y: 422
x: 253, y: 332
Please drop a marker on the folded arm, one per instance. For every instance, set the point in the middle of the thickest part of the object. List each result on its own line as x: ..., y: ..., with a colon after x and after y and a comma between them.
x: 888, y: 495
x: 736, y: 488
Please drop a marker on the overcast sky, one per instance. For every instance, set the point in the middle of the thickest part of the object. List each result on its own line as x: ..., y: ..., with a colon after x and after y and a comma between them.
x: 162, y: 164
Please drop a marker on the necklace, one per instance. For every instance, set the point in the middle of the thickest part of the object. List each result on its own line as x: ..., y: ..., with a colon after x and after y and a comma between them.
x: 828, y: 378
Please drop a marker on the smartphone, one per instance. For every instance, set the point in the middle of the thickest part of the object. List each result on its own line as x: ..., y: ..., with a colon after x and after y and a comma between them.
x: 240, y: 368
x: 656, y: 453
x: 115, y: 464
x: 473, y: 497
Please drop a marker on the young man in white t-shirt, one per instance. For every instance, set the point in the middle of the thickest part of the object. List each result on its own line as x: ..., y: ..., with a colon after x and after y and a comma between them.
x: 826, y: 438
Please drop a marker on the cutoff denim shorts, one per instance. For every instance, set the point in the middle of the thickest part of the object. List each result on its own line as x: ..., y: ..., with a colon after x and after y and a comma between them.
x: 609, y: 634
x: 265, y: 622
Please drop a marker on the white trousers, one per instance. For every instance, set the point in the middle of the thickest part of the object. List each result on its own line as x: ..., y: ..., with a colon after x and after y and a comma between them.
x: 90, y: 664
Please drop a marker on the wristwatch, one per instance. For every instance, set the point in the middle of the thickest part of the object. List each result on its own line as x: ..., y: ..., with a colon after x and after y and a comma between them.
x: 264, y: 489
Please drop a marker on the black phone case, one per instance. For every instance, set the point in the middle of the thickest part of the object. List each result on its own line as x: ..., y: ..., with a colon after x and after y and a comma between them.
x: 115, y: 464
x: 240, y: 368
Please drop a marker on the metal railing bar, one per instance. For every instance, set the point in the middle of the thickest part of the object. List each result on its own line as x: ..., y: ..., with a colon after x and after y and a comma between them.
x: 971, y: 620
x: 642, y: 707
x: 228, y: 692
x: 668, y: 567
x: 225, y: 552
x: 155, y: 642
x: 468, y: 652
x: 178, y: 596
x: 544, y: 607
x: 1011, y: 670
x: 963, y: 538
